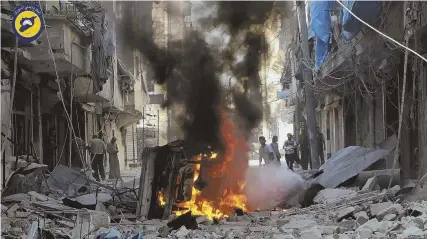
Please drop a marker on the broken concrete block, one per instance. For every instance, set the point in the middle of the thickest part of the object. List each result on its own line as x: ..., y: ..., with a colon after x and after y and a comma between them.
x: 394, y: 208
x: 288, y: 231
x: 11, y: 211
x: 370, y: 184
x: 364, y: 232
x: 410, y: 231
x: 16, y: 231
x: 331, y: 195
x: 408, y: 222
x: 385, y: 226
x: 344, y: 212
x: 200, y: 219
x: 39, y: 197
x: 347, y: 225
x: 347, y: 235
x: 330, y: 237
x: 298, y: 223
x: 372, y: 224
x: 326, y: 230
x: 22, y: 214
x: 312, y: 233
x: 3, y: 208
x: 361, y: 217
x: 378, y: 207
x: 182, y: 232
x: 393, y: 190
x: 390, y: 217
x: 283, y: 236
x: 5, y: 225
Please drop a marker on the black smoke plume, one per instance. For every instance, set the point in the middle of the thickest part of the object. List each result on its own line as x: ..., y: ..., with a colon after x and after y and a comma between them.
x: 191, y: 71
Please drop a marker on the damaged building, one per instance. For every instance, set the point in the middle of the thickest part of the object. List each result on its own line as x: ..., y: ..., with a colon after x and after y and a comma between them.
x: 187, y: 112
x: 77, y: 80
x: 359, y: 75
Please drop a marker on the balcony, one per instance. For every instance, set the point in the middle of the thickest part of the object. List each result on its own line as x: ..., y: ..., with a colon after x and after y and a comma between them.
x: 365, y: 52
x: 69, y: 38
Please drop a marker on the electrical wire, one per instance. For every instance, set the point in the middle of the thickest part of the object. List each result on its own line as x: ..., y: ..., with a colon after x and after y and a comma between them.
x: 57, y: 80
x: 382, y: 34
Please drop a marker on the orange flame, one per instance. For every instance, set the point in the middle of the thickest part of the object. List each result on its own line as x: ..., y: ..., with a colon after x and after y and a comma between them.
x: 225, y: 177
x: 161, y: 199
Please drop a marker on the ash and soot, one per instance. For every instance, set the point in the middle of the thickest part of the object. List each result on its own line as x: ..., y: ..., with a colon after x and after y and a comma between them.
x: 191, y: 70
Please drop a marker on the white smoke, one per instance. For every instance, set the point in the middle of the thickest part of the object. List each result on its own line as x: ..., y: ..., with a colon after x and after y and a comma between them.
x: 270, y: 185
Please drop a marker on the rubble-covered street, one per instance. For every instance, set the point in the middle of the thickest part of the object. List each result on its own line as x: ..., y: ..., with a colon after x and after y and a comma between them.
x: 213, y: 119
x: 337, y: 213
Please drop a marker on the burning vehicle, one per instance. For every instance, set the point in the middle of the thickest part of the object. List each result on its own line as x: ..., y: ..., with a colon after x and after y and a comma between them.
x: 176, y: 179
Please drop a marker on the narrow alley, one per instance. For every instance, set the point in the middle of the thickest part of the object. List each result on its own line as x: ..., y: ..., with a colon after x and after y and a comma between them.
x: 217, y: 119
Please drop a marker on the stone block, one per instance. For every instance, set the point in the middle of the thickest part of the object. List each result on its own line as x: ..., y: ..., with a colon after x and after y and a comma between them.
x: 370, y: 184
x: 378, y: 207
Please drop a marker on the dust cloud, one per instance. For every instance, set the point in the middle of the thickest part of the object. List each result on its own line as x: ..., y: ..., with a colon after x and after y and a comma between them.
x: 268, y: 186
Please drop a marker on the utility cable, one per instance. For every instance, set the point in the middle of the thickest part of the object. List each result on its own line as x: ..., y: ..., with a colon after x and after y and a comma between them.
x: 382, y: 34
x: 61, y: 96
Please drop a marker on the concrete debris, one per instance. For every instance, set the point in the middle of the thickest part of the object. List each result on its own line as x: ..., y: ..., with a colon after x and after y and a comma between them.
x: 341, y: 214
x: 93, y: 198
x: 3, y: 208
x: 393, y: 190
x: 370, y: 184
x: 299, y: 223
x: 361, y: 217
x: 393, y: 209
x: 312, y: 233
x: 347, y: 163
x: 337, y: 213
x: 411, y: 231
x: 182, y: 232
x: 390, y: 217
x: 378, y: 207
x: 332, y: 195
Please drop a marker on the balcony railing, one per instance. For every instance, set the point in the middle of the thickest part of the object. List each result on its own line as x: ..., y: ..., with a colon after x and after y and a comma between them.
x: 77, y: 12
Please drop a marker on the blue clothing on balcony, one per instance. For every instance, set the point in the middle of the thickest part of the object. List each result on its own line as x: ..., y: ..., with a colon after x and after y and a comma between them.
x: 320, y: 26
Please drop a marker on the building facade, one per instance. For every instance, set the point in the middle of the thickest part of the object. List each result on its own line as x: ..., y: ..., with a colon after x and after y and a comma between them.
x: 77, y: 80
x: 359, y: 78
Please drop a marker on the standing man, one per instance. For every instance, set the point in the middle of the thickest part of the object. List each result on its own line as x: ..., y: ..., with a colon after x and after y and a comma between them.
x: 275, y: 147
x: 113, y: 159
x: 265, y: 152
x: 97, y: 150
x: 321, y: 145
x: 289, y: 147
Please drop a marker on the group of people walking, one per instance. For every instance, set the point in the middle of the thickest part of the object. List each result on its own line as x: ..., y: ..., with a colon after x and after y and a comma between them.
x: 271, y: 155
x: 98, y: 152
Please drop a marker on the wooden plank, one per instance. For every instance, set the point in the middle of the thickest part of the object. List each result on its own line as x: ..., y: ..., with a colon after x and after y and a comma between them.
x: 171, y: 189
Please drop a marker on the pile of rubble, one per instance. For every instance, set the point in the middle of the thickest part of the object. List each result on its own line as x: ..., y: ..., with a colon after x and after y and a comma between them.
x: 376, y: 214
x: 71, y: 204
x: 359, y: 215
x: 337, y: 213
x: 64, y: 203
